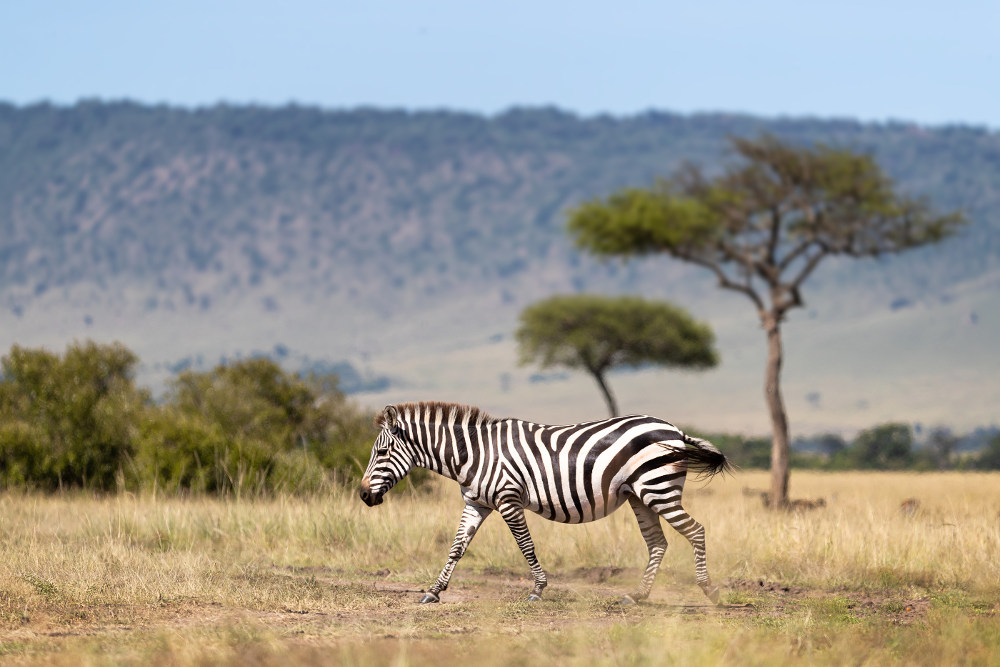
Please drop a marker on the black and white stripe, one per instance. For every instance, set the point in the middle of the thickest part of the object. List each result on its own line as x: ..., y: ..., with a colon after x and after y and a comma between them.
x: 570, y: 474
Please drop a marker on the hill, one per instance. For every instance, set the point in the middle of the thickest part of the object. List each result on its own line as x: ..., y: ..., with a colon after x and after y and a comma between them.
x: 399, y: 247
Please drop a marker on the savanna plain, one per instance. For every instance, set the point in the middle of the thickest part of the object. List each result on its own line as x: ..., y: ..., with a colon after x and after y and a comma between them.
x: 867, y: 578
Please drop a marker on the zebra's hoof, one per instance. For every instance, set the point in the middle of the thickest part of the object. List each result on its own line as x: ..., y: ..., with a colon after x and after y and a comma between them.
x: 627, y: 601
x: 713, y: 594
x: 429, y: 597
x: 534, y: 598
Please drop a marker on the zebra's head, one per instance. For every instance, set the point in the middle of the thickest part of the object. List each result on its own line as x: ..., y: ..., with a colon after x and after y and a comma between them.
x: 391, y: 459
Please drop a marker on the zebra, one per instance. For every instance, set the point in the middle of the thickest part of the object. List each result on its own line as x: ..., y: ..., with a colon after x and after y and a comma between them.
x: 572, y: 474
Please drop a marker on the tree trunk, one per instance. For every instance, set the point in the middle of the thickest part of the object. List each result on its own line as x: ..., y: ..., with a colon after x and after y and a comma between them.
x: 609, y: 397
x: 779, y: 421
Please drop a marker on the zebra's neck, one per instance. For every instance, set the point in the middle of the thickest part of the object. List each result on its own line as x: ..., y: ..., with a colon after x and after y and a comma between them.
x: 440, y: 435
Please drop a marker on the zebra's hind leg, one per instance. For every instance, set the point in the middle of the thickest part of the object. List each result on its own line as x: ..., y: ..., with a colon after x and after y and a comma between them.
x: 514, y: 516
x: 652, y: 533
x: 684, y: 524
x: 472, y: 517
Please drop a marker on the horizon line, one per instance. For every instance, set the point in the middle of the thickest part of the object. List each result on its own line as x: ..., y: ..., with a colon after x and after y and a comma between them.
x: 511, y: 109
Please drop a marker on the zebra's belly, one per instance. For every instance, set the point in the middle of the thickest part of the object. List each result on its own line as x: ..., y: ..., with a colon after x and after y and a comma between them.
x: 569, y: 513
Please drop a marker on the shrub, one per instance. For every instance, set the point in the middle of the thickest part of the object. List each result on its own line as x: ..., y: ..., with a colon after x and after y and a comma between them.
x: 83, y: 409
x: 78, y: 420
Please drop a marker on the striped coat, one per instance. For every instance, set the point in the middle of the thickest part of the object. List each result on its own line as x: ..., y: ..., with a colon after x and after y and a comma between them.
x: 571, y: 474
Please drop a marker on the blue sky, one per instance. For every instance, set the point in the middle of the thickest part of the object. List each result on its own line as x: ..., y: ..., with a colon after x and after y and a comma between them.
x: 928, y: 62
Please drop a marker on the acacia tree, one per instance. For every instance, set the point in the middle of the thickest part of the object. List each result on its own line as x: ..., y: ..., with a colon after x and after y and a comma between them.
x: 762, y: 227
x: 597, y: 334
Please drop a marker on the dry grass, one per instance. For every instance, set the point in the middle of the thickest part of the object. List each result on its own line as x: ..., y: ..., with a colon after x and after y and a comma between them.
x: 193, y: 581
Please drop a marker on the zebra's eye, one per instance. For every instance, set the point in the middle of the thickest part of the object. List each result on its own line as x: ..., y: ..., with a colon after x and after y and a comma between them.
x: 381, y: 451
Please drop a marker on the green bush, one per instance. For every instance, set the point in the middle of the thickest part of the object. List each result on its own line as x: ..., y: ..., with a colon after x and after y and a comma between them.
x: 22, y: 454
x: 989, y: 457
x: 177, y: 452
x: 83, y: 409
x: 78, y: 420
x: 883, y: 447
x: 249, y: 428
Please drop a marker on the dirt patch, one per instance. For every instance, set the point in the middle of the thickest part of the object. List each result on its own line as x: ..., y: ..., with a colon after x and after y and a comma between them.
x: 784, y: 599
x: 599, y: 575
x: 762, y: 586
x: 494, y: 571
x: 901, y: 612
x: 315, y: 570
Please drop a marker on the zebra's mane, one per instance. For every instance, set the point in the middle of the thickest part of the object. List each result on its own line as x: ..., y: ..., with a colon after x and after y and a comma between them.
x: 451, y: 413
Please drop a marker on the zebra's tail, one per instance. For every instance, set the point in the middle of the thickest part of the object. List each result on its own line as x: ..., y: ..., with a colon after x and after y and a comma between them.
x: 704, y: 458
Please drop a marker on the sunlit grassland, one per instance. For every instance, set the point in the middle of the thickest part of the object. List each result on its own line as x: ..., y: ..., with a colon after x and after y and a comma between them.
x: 186, y: 580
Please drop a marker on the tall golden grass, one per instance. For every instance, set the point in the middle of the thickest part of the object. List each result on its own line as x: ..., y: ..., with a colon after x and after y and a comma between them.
x: 127, y: 548
x: 67, y: 560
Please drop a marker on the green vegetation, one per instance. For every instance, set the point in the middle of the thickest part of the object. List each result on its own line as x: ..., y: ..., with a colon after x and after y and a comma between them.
x: 598, y: 334
x: 890, y: 446
x: 249, y: 428
x: 989, y: 457
x: 884, y: 447
x: 68, y: 421
x: 762, y: 227
x: 78, y: 421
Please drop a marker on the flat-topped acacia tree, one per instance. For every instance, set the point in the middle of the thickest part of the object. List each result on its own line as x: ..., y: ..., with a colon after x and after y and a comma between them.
x: 762, y: 226
x: 600, y: 333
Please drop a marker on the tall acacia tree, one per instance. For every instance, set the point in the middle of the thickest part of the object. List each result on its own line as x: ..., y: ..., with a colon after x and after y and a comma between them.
x: 598, y: 333
x: 762, y: 227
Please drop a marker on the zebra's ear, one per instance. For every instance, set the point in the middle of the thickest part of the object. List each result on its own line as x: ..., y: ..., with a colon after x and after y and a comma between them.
x: 389, y: 418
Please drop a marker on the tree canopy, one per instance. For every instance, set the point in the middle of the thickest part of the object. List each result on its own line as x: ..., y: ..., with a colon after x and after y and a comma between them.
x: 762, y: 226
x: 598, y: 333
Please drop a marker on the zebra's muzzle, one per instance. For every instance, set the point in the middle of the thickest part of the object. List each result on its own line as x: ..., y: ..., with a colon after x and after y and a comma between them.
x: 371, y: 499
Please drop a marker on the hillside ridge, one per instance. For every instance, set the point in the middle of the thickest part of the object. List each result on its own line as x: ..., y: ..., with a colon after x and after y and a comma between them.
x: 367, y: 235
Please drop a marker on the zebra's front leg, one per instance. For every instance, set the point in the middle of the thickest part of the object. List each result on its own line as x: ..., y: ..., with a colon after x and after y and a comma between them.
x: 472, y: 517
x: 514, y: 516
x: 656, y: 543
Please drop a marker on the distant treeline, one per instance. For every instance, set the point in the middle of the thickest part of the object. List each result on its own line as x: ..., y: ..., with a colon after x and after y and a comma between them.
x: 890, y: 446
x: 78, y: 421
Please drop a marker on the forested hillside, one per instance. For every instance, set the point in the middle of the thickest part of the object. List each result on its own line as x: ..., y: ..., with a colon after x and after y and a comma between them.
x: 99, y: 191
x: 326, y: 236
